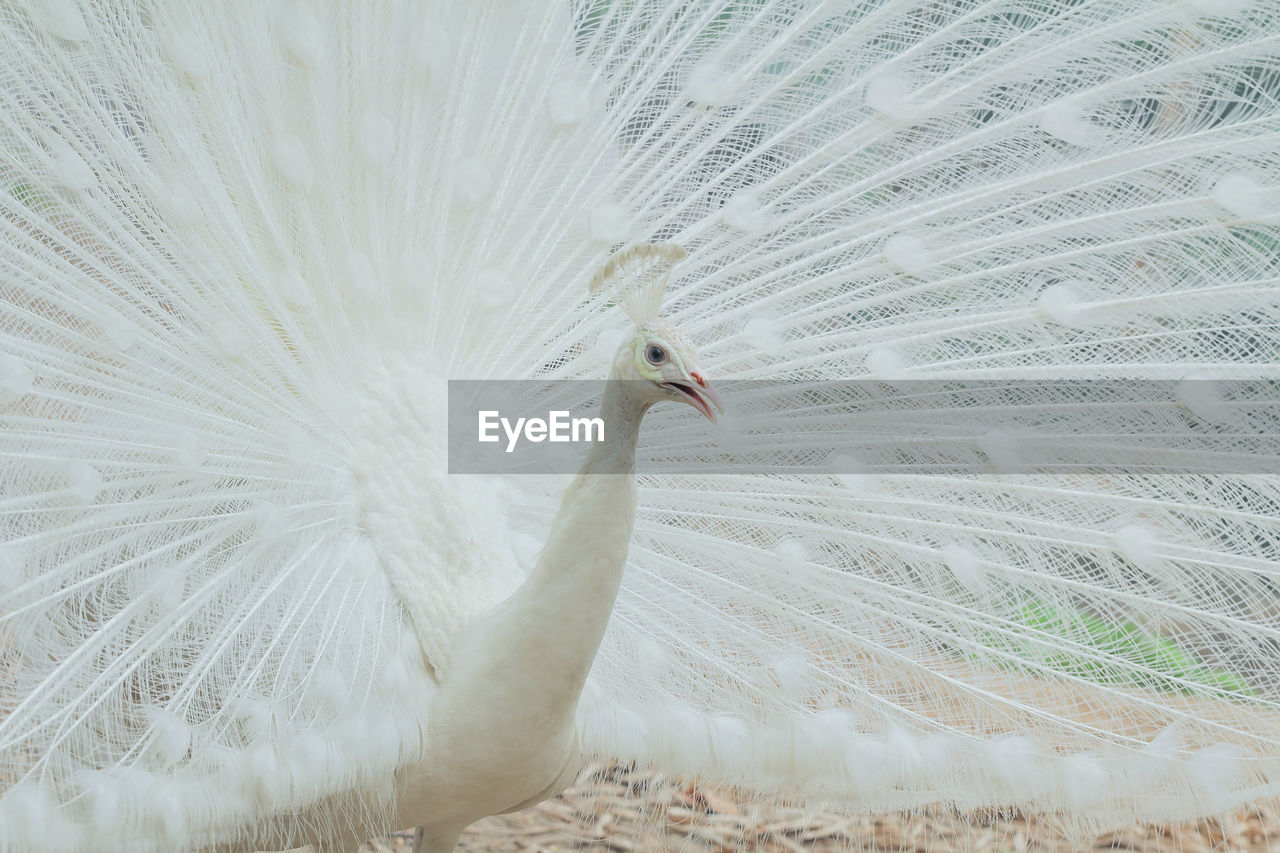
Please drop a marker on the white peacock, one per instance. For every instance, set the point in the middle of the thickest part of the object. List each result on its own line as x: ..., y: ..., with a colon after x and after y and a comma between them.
x: 243, y: 246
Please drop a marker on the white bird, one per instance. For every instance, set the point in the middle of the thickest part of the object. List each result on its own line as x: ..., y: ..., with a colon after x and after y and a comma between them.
x: 500, y: 734
x: 243, y: 246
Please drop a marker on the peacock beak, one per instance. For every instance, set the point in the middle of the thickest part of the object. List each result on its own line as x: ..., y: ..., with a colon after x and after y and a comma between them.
x: 715, y: 404
x: 699, y: 394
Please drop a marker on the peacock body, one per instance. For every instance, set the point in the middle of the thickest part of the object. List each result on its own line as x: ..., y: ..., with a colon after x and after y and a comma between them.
x: 243, y: 246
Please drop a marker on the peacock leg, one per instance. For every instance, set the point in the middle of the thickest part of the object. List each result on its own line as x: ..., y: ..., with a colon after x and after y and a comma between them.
x: 430, y: 839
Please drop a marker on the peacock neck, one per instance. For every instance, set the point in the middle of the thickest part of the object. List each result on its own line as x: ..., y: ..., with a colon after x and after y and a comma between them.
x: 503, y: 716
x: 580, y: 567
x: 545, y: 635
x: 622, y: 413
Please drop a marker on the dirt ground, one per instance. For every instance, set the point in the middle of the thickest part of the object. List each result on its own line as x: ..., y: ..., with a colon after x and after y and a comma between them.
x: 618, y: 810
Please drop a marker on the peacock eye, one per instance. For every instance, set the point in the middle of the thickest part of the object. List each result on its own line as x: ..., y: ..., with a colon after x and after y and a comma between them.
x: 655, y: 354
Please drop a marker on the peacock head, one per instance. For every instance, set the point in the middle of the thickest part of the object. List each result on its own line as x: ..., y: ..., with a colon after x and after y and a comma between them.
x: 658, y: 354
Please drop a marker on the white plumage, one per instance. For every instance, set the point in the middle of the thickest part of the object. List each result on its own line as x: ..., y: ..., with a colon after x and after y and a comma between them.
x: 243, y: 246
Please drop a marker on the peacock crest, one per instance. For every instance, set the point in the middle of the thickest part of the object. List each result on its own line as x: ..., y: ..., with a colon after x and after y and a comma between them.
x: 637, y: 277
